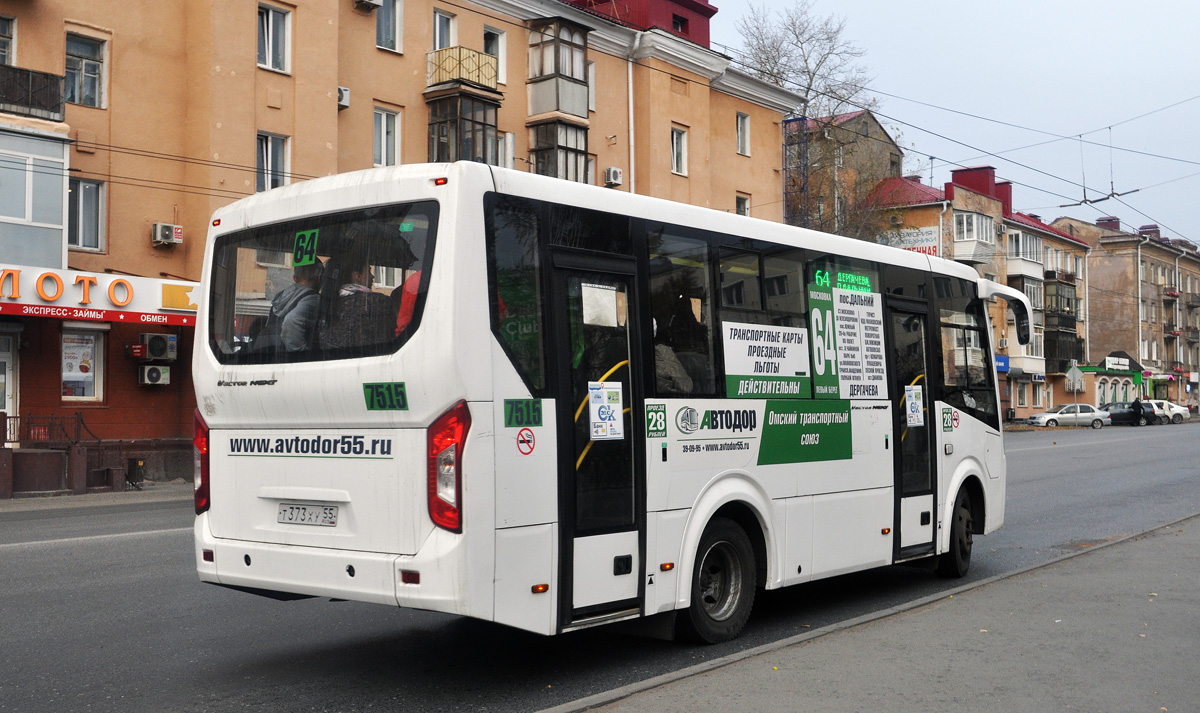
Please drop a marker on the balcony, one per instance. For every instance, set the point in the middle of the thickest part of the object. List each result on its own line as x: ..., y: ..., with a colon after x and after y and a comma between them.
x: 1193, y: 301
x: 30, y: 93
x: 974, y: 252
x: 1060, y: 276
x: 1171, y: 331
x: 1025, y: 265
x: 459, y: 64
x: 1169, y: 293
x: 1061, y: 321
x: 1192, y: 334
x: 1175, y: 366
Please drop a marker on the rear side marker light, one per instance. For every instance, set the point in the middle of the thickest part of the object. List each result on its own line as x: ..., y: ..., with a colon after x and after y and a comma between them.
x: 440, y: 181
x: 207, y: 555
x: 540, y: 588
x: 666, y: 566
x: 410, y: 577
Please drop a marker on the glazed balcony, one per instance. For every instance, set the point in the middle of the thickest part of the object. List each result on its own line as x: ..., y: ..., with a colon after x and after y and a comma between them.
x: 460, y: 64
x: 30, y: 93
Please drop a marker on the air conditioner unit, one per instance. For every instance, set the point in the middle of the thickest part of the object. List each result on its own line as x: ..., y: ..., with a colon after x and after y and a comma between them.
x: 161, y: 346
x: 613, y: 176
x: 154, y: 375
x: 166, y: 234
x: 343, y: 97
x: 1002, y: 343
x: 368, y: 5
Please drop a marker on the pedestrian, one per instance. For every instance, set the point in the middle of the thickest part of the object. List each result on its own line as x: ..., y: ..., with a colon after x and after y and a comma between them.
x: 1139, y: 414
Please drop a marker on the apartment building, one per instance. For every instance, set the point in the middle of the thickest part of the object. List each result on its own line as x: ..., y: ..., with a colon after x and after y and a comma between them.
x: 127, y: 123
x: 971, y: 220
x: 1145, y: 295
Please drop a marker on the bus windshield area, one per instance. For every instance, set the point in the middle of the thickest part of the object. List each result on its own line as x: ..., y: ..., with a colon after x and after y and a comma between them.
x: 333, y: 286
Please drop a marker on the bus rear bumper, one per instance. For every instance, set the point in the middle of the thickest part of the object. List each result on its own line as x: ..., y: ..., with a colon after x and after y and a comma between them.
x: 312, y: 571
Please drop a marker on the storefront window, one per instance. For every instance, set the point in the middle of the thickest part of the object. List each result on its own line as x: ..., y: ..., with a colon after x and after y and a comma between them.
x: 82, y: 366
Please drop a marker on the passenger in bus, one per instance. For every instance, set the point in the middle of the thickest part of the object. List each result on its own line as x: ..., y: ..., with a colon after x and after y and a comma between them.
x: 670, y: 377
x: 294, y: 309
x: 352, y: 314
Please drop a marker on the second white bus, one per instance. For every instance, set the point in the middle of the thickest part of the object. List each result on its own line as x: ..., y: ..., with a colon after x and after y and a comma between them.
x: 470, y: 390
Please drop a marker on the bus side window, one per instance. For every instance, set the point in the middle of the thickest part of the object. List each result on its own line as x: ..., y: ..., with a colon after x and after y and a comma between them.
x: 515, y: 285
x: 966, y: 361
x: 681, y: 305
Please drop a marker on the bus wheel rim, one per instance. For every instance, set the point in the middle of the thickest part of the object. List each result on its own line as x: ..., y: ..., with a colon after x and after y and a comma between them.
x: 720, y: 581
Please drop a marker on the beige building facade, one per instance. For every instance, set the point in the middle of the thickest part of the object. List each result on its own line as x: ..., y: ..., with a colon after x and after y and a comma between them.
x: 129, y: 123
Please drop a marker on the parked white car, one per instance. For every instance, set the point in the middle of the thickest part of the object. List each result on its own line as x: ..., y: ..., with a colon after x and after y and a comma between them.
x: 1171, y: 411
x: 1072, y: 415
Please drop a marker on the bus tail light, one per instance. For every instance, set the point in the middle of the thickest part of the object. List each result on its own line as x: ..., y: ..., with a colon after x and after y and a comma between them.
x: 445, y: 441
x: 200, y: 459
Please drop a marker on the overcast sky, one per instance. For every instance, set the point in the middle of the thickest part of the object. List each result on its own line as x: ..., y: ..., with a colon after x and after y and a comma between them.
x: 1054, y: 67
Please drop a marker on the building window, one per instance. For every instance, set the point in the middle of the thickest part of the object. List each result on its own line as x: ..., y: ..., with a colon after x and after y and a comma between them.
x: 591, y: 79
x: 742, y: 204
x: 387, y: 142
x: 1036, y: 346
x: 558, y: 48
x: 974, y: 226
x: 85, y: 225
x: 1037, y: 395
x: 389, y: 25
x: 743, y: 134
x: 271, y: 165
x: 560, y: 150
x: 443, y: 30
x: 1025, y: 245
x: 85, y: 71
x: 7, y: 25
x: 495, y: 43
x: 463, y: 128
x: 272, y: 38
x: 1021, y: 398
x: 82, y: 365
x: 679, y: 151
x: 679, y: 24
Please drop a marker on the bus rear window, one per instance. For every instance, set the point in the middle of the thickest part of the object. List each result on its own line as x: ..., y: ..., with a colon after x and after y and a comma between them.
x: 335, y: 286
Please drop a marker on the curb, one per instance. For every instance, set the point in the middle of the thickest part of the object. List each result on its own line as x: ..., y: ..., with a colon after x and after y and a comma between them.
x: 617, y: 694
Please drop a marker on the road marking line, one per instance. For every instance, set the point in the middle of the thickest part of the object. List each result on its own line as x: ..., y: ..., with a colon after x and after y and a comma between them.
x: 94, y: 538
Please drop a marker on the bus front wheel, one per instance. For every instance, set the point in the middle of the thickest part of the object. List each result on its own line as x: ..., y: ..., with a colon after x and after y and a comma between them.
x: 955, y: 562
x: 722, y: 584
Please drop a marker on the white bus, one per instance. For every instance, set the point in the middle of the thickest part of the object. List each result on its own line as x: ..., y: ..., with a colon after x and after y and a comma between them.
x: 472, y: 390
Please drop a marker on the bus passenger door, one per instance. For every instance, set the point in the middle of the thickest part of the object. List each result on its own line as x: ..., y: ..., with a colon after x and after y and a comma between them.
x: 601, y: 456
x: 913, y: 428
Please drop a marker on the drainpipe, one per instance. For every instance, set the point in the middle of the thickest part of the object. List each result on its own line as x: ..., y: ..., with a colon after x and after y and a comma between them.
x: 945, y: 207
x: 1175, y: 317
x: 1137, y: 267
x: 637, y: 42
x: 1087, y: 307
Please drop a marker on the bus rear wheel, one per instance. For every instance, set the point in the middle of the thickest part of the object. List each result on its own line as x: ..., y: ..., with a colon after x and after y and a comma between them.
x: 722, y: 585
x: 955, y: 562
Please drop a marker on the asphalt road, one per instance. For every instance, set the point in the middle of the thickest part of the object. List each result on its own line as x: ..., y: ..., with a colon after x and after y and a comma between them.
x: 100, y: 609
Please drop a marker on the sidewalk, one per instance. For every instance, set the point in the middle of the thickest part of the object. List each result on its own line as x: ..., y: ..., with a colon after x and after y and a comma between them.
x: 152, y: 491
x: 1113, y: 629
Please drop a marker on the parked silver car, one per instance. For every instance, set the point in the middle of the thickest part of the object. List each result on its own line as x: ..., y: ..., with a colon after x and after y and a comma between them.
x: 1073, y: 415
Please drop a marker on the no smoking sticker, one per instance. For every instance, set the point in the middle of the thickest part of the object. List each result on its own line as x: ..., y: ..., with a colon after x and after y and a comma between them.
x: 525, y: 441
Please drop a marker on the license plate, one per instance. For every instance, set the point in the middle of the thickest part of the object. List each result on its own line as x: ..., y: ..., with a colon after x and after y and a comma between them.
x: 322, y: 515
